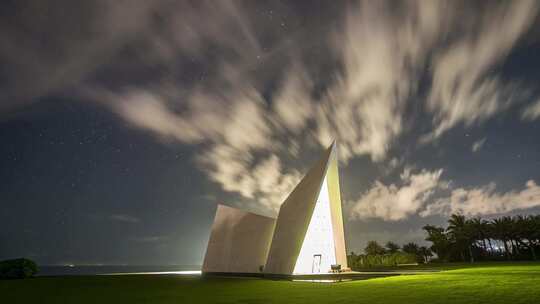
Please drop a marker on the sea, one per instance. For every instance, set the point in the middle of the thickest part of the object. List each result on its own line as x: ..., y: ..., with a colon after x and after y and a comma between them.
x: 77, y: 270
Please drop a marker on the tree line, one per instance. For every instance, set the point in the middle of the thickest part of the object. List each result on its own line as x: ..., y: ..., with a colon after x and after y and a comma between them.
x: 464, y: 239
x: 471, y: 239
x: 391, y: 254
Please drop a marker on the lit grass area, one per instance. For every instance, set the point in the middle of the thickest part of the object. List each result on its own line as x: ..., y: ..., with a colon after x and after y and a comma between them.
x: 485, y: 283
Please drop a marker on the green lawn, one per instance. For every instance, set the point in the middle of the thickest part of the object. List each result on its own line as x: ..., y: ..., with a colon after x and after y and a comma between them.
x: 484, y: 283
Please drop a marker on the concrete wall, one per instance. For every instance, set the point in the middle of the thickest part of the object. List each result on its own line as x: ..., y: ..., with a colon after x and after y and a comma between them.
x: 293, y: 220
x: 239, y: 241
x: 332, y: 178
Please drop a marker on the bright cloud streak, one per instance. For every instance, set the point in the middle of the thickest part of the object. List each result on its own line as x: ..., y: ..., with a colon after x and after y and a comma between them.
x: 477, y: 145
x: 425, y: 193
x: 260, y: 102
x: 395, y: 202
x: 485, y: 201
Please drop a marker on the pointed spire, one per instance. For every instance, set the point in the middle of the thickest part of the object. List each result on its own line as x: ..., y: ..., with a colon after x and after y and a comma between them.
x: 334, y: 143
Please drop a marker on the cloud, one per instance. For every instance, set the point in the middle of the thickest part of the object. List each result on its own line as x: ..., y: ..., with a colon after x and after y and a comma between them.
x: 52, y: 46
x: 242, y: 133
x: 424, y: 194
x: 391, y: 165
x: 485, y: 201
x: 222, y: 85
x: 149, y: 239
x: 236, y: 137
x: 464, y: 87
x: 124, y: 218
x: 382, y: 54
x: 236, y: 129
x: 477, y: 145
x: 531, y: 112
x: 393, y: 202
x: 148, y: 111
x: 293, y: 104
x: 265, y: 183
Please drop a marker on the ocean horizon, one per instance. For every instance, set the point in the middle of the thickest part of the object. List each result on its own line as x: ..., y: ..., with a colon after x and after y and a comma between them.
x: 75, y: 270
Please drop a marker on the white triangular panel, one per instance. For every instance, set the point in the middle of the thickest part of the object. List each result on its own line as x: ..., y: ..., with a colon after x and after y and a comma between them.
x: 310, y: 224
x: 318, y: 250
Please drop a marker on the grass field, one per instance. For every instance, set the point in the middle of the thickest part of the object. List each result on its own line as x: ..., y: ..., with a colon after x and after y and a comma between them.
x: 484, y: 283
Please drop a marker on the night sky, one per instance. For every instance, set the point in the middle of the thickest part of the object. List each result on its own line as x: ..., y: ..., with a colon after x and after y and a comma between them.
x: 124, y: 123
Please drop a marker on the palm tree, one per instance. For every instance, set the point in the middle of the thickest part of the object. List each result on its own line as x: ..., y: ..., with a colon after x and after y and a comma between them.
x: 460, y: 231
x: 373, y: 248
x: 470, y: 237
x: 441, y: 243
x: 500, y: 228
x: 411, y: 248
x: 478, y: 231
x: 392, y: 247
x: 516, y: 233
x: 512, y: 234
x: 529, y: 228
x: 535, y: 231
x: 464, y: 237
x: 425, y: 253
x: 488, y: 234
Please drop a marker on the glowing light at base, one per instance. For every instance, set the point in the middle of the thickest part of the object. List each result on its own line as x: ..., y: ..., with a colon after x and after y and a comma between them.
x: 318, y: 249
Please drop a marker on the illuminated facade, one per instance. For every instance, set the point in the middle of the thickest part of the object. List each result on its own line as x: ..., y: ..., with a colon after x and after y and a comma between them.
x: 318, y: 249
x: 307, y: 236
